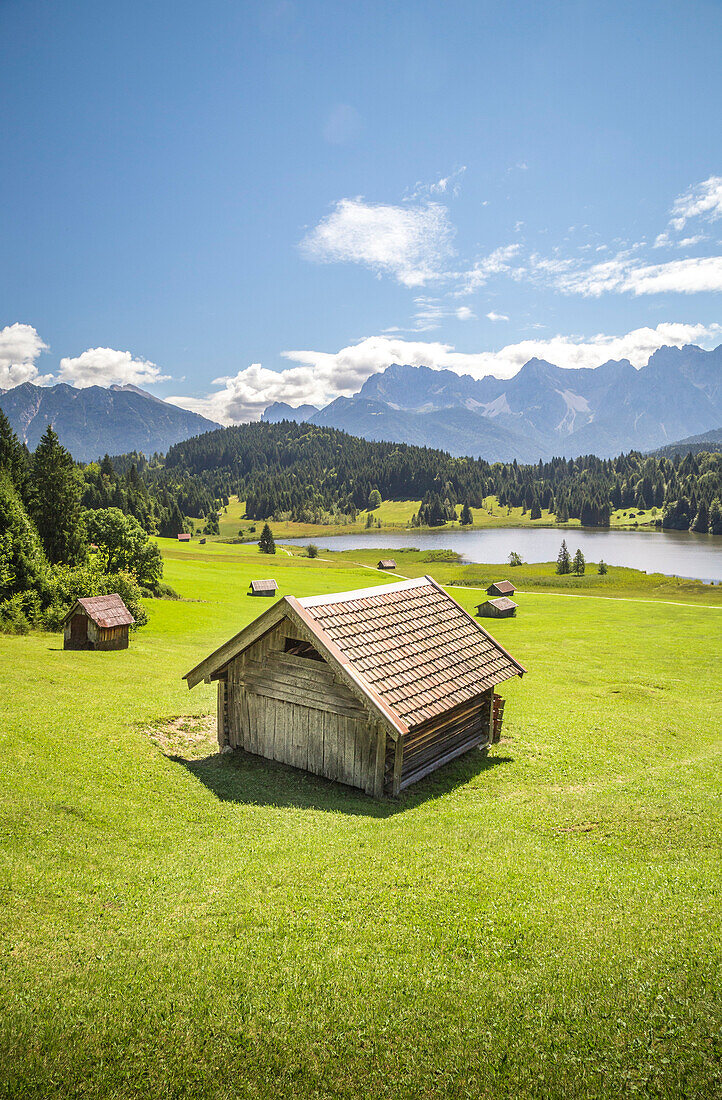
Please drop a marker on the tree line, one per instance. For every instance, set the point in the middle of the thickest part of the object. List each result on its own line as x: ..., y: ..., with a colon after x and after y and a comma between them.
x: 68, y: 531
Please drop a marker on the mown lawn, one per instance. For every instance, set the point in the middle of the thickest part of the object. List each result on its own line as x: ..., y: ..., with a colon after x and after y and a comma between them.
x: 545, y: 923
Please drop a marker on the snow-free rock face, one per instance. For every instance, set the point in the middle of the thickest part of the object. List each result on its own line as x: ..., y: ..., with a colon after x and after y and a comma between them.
x: 96, y: 421
x: 279, y: 411
x: 543, y: 410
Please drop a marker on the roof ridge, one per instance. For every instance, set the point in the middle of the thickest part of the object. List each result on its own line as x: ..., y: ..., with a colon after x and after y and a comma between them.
x: 363, y: 593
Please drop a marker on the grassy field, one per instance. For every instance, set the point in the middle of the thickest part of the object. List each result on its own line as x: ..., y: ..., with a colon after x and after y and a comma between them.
x: 395, y: 515
x: 542, y: 923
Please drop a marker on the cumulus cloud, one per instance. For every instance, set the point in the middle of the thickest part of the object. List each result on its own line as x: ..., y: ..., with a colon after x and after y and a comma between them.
x: 703, y: 200
x: 410, y: 243
x: 497, y: 316
x: 20, y: 346
x: 317, y: 377
x: 105, y: 366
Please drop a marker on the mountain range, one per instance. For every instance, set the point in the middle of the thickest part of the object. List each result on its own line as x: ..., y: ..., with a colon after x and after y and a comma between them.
x: 543, y: 410
x: 95, y: 421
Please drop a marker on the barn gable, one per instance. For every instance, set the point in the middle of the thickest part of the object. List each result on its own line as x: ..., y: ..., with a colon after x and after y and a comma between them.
x: 374, y: 687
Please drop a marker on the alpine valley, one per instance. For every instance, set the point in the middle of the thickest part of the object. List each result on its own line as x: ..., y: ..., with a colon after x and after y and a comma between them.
x: 544, y: 410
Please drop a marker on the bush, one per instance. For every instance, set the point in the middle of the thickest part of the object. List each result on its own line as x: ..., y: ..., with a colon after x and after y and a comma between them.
x: 311, y: 550
x: 68, y: 583
x: 12, y: 617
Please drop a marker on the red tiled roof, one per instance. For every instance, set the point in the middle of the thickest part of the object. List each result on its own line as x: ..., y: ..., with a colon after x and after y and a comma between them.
x: 418, y: 650
x: 106, y: 611
x: 504, y: 588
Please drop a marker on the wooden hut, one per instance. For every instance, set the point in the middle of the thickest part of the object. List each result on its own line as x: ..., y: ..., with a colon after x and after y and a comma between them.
x: 501, y: 588
x: 386, y: 563
x: 374, y: 688
x: 501, y: 608
x: 184, y: 537
x: 97, y: 622
x: 263, y: 588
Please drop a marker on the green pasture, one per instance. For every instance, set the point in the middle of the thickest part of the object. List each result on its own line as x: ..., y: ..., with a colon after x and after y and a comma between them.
x: 396, y: 515
x: 544, y: 922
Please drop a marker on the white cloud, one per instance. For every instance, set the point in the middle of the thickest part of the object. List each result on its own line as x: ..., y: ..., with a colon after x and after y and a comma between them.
x: 446, y: 184
x: 463, y: 313
x: 20, y: 346
x: 317, y: 377
x: 621, y: 275
x: 409, y: 243
x: 496, y: 263
x: 497, y: 316
x: 704, y: 200
x: 105, y: 366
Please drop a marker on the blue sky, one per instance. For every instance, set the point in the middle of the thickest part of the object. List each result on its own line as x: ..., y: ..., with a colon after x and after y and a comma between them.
x: 195, y: 192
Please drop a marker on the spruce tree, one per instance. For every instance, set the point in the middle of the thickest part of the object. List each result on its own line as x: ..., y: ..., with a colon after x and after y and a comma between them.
x: 13, y: 455
x: 266, y: 544
x: 466, y: 517
x: 55, y: 490
x: 564, y: 561
x: 602, y: 568
x: 579, y: 563
x: 715, y: 518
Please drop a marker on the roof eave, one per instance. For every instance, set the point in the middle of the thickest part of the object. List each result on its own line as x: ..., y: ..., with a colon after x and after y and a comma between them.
x: 479, y: 627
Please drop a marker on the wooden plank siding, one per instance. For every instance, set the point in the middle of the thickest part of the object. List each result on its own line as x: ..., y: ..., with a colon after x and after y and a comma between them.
x: 437, y: 741
x: 296, y: 711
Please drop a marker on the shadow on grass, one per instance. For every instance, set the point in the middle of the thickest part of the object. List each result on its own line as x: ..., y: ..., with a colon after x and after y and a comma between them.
x: 252, y: 780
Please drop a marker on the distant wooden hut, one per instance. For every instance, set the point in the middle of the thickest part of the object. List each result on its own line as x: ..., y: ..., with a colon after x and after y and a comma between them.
x: 184, y: 537
x: 500, y: 608
x: 501, y: 588
x: 97, y: 622
x: 202, y: 542
x: 263, y: 588
x: 386, y: 563
x: 374, y: 688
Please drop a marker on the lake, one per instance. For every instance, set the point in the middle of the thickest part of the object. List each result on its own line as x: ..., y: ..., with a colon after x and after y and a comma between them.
x: 676, y: 553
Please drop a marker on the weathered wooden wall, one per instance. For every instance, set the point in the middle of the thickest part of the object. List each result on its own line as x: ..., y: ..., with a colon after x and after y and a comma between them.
x: 114, y: 637
x: 295, y: 710
x: 431, y: 744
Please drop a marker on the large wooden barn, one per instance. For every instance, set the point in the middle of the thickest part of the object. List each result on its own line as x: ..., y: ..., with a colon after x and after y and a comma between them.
x: 374, y: 688
x: 97, y: 622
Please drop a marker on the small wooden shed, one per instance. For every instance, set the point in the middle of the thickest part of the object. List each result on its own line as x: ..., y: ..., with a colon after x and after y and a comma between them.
x: 97, y: 622
x: 263, y: 588
x: 501, y: 608
x: 183, y: 537
x: 501, y: 588
x: 374, y: 688
x: 386, y: 563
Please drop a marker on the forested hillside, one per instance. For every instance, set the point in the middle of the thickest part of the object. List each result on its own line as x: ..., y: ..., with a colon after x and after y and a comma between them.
x: 316, y: 474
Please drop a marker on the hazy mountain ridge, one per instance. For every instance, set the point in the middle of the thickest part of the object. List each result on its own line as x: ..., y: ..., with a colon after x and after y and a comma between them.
x: 94, y: 421
x: 543, y: 410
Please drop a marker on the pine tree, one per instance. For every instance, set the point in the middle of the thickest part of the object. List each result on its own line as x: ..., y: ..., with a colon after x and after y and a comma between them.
x: 13, y: 456
x: 266, y: 544
x: 700, y: 523
x: 602, y: 568
x: 564, y: 561
x: 23, y: 566
x: 579, y: 564
x: 466, y: 517
x: 55, y: 490
x: 715, y: 517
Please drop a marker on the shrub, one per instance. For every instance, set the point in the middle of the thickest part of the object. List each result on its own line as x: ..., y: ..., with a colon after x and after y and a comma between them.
x: 311, y: 550
x: 12, y: 617
x: 68, y: 583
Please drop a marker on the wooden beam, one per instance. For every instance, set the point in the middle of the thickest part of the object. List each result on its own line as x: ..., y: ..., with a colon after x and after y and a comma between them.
x: 398, y: 764
x: 230, y: 649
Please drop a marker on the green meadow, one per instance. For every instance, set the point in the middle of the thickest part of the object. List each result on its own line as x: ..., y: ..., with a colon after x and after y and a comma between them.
x: 541, y: 922
x: 395, y: 515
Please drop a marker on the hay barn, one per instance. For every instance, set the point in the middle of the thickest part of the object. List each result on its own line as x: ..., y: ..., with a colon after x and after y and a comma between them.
x: 501, y: 588
x: 501, y: 608
x: 183, y: 537
x: 386, y: 563
x: 97, y: 622
x: 263, y: 588
x: 374, y: 688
